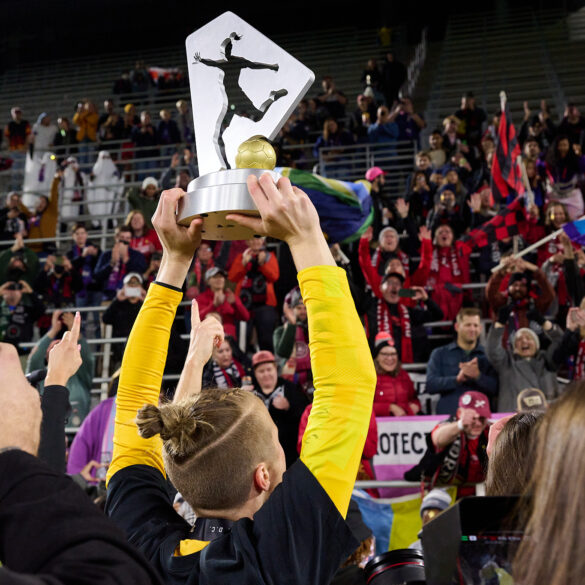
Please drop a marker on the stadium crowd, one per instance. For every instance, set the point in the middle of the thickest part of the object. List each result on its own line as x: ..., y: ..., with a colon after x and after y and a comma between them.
x: 412, y: 273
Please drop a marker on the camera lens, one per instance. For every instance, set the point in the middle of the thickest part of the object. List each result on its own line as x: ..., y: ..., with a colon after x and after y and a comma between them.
x: 396, y: 567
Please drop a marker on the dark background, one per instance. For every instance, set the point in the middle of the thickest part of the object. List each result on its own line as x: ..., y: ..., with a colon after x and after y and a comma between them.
x: 37, y: 30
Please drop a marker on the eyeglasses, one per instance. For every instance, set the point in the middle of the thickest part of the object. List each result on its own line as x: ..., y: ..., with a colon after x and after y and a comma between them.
x: 388, y: 354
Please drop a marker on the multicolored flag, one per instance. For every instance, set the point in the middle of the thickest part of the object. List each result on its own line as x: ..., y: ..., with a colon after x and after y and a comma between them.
x: 344, y: 208
x: 509, y: 221
x: 576, y: 230
x: 506, y: 181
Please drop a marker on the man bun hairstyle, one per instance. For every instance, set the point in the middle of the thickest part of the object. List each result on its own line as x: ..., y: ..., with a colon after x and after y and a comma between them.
x: 212, y: 444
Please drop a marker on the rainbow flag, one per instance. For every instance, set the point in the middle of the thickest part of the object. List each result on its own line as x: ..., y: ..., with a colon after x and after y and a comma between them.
x: 344, y: 208
x: 576, y: 230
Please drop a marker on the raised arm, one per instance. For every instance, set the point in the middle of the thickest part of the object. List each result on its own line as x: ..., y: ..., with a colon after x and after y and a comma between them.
x: 146, y: 350
x: 343, y: 370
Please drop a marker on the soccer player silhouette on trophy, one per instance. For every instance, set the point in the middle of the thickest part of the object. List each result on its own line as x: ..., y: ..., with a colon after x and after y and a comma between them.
x: 238, y: 103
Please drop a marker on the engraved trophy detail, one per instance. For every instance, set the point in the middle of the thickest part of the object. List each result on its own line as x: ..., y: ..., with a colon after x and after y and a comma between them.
x: 243, y: 89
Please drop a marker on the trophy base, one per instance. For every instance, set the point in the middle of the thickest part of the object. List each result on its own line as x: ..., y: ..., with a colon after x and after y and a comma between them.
x: 215, y: 195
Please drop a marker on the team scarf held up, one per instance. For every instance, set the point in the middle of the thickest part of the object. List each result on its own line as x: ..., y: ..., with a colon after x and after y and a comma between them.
x: 449, y: 260
x: 384, y: 321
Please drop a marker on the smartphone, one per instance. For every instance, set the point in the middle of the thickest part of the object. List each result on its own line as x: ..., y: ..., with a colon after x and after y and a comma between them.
x: 407, y: 293
x: 132, y: 291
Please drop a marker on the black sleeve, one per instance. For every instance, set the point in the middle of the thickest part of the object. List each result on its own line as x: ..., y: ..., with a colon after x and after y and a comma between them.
x: 52, y: 534
x: 432, y: 312
x: 55, y: 407
x: 568, y: 346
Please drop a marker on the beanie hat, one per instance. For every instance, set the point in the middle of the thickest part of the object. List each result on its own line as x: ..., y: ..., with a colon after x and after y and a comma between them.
x: 437, y: 499
x: 382, y: 340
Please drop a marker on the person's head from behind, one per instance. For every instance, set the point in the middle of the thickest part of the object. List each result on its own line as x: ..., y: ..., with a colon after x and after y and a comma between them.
x: 435, y: 502
x: 220, y: 450
x: 556, y: 507
x: 511, y: 458
x: 468, y: 326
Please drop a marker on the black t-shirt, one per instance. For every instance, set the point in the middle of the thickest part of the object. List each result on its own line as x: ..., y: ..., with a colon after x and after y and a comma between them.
x: 297, y: 537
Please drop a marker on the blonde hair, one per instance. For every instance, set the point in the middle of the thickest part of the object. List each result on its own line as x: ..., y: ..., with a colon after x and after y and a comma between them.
x: 212, y: 444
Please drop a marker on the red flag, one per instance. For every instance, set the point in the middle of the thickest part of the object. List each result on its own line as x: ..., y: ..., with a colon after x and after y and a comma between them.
x: 506, y: 175
x: 509, y: 221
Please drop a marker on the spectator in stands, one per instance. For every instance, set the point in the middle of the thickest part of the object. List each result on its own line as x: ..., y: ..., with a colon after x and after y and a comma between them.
x: 65, y: 140
x: 448, y: 210
x: 408, y: 121
x: 19, y: 309
x: 472, y: 118
x: 362, y: 117
x: 92, y: 447
x: 561, y: 170
x: 224, y: 370
x: 180, y: 172
x: 519, y: 306
x: 283, y: 399
x: 420, y: 197
x: 123, y: 310
x: 114, y: 265
x: 79, y: 385
x: 524, y: 364
x: 395, y: 393
x: 110, y: 127
x: 150, y: 275
x: 17, y: 133
x: 531, y: 149
x: 43, y: 135
x: 388, y: 248
x: 13, y: 217
x: 449, y: 271
x: 255, y: 271
x: 383, y: 129
x: 392, y: 315
x: 86, y: 118
x: 145, y: 138
x: 333, y: 136
x: 168, y: 133
x: 44, y: 219
x: 384, y: 209
x: 451, y: 140
x: 144, y: 239
x: 217, y: 298
x: 393, y: 76
x: 109, y: 109
x: 539, y: 127
x: 185, y: 122
x: 291, y: 344
x: 332, y: 100
x: 436, y: 150
x: 145, y: 199
x: 371, y: 75
x: 84, y: 256
x: 18, y: 263
x: 573, y: 124
x: 139, y: 78
x: 57, y: 283
x: 459, y: 446
x: 461, y: 365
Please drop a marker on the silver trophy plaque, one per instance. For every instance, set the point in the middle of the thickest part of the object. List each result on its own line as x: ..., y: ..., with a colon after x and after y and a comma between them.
x: 243, y: 89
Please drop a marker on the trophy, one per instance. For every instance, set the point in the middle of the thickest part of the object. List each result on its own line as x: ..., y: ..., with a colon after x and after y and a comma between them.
x: 243, y: 89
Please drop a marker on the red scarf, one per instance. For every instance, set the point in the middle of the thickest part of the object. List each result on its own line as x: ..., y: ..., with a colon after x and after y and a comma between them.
x: 384, y: 320
x: 448, y: 260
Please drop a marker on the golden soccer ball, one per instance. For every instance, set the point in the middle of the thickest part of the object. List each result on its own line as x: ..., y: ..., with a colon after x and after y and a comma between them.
x: 256, y: 153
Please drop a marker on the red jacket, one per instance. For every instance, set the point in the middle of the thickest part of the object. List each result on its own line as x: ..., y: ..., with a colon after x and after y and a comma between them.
x: 269, y: 269
x: 230, y: 312
x: 397, y: 390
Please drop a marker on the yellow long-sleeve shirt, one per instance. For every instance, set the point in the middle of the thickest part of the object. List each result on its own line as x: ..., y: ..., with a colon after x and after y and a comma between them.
x: 343, y: 374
